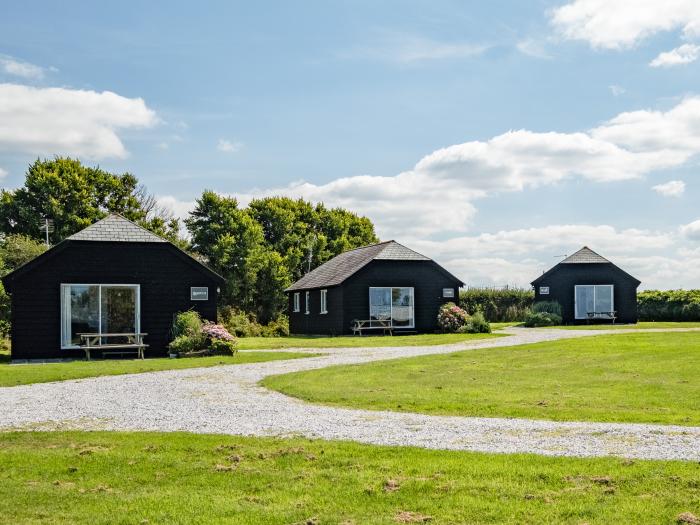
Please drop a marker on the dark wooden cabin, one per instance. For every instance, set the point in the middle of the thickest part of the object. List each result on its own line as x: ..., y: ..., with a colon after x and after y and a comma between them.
x: 383, y: 283
x: 589, y: 287
x: 111, y: 277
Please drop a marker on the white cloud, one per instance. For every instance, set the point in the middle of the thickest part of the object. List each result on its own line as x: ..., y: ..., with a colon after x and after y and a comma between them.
x: 47, y: 121
x: 179, y: 208
x: 692, y: 230
x: 672, y: 188
x: 684, y: 54
x: 410, y: 49
x: 163, y: 146
x: 18, y: 68
x: 617, y: 90
x: 3, y: 173
x: 228, y: 146
x: 619, y: 24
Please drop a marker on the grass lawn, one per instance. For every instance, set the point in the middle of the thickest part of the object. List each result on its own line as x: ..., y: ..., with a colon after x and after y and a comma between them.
x: 105, y: 478
x: 12, y: 375
x: 306, y: 341
x: 649, y: 377
x: 640, y: 325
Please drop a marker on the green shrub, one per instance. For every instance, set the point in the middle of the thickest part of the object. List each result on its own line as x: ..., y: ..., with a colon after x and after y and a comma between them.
x: 223, y: 347
x: 669, y: 305
x: 242, y: 324
x: 4, y: 328
x: 187, y: 323
x: 477, y: 324
x: 547, y: 307
x: 542, y: 319
x: 185, y: 344
x: 497, y: 304
x: 451, y: 317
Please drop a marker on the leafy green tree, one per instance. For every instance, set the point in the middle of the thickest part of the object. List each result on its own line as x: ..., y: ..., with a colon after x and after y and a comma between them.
x: 75, y: 196
x: 269, y: 277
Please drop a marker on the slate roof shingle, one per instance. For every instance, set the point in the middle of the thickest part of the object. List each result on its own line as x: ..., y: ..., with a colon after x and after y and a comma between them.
x: 115, y: 228
x: 584, y: 255
x: 340, y: 267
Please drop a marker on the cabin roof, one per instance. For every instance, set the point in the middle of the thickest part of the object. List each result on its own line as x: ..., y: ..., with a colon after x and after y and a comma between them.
x: 346, y: 264
x: 115, y: 228
x: 583, y: 256
x: 586, y: 256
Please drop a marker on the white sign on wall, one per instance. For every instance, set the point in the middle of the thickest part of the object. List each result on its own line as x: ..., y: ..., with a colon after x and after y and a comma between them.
x: 448, y: 292
x: 544, y: 290
x: 199, y: 293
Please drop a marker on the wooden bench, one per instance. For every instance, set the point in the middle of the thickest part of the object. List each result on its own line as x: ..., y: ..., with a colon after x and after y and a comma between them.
x: 591, y: 316
x: 359, y: 325
x: 134, y: 344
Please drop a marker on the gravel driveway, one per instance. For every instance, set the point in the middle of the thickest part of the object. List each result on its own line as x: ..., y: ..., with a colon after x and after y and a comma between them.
x: 227, y: 400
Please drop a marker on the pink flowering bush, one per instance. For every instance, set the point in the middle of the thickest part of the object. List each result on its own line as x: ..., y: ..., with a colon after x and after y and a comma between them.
x: 216, y: 331
x: 194, y: 336
x: 451, y: 317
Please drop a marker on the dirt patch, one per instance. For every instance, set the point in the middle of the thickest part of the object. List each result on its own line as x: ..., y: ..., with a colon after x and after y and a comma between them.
x: 406, y: 516
x: 688, y: 518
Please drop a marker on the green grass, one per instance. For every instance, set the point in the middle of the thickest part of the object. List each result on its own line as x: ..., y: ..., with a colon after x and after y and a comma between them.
x: 640, y: 325
x: 649, y: 377
x: 12, y: 375
x: 305, y: 341
x: 138, y: 478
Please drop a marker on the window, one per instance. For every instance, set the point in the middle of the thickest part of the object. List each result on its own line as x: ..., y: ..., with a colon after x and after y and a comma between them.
x: 98, y: 309
x: 324, y: 299
x: 307, y: 302
x: 296, y: 302
x: 448, y: 293
x: 392, y: 304
x: 593, y: 299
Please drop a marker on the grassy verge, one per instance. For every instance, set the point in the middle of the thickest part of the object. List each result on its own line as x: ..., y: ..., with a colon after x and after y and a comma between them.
x: 649, y: 377
x: 640, y: 325
x: 105, y: 478
x: 12, y: 375
x: 305, y: 341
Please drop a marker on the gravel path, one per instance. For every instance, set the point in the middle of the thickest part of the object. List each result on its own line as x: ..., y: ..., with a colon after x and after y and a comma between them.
x: 227, y: 400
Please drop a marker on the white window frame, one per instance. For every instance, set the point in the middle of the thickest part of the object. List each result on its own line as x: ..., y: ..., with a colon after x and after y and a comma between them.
x: 391, y: 311
x: 324, y: 301
x: 62, y: 308
x: 308, y: 311
x: 297, y: 301
x: 595, y: 287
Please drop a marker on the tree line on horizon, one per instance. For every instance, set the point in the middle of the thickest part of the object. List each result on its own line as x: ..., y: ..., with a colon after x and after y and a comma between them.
x: 259, y: 249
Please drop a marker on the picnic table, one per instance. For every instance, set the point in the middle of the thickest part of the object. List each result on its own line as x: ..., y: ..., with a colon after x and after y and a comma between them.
x: 359, y: 325
x: 602, y: 315
x: 133, y: 343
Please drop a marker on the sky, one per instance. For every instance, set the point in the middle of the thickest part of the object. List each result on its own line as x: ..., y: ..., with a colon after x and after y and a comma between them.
x: 494, y: 137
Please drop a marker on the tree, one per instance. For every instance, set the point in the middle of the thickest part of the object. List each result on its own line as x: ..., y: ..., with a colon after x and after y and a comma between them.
x: 75, y: 196
x: 226, y: 236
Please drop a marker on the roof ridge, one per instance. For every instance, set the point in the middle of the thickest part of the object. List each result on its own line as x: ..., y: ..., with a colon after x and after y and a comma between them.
x: 366, y: 246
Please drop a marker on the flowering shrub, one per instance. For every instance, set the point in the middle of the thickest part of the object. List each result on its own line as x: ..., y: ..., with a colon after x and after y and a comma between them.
x: 216, y: 331
x: 451, y: 317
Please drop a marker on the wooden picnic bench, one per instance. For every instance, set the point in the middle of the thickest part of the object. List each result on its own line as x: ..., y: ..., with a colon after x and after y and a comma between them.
x: 601, y: 315
x: 133, y: 344
x: 359, y: 325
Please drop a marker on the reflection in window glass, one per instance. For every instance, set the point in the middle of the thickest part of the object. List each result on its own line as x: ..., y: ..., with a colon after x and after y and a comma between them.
x: 392, y: 304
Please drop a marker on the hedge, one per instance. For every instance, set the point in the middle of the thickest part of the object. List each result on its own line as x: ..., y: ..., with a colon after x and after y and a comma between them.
x: 498, y: 304
x: 669, y: 305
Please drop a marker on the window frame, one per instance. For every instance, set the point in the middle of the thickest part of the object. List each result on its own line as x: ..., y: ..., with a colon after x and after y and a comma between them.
x: 391, y: 310
x: 296, y: 302
x: 324, y: 301
x: 594, y: 286
x: 62, y: 308
x: 307, y: 306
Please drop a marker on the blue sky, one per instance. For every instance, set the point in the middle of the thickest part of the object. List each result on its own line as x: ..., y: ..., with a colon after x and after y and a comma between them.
x: 492, y: 136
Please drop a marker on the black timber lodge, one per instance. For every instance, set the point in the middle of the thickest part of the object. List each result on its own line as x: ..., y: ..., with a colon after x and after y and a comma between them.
x: 589, y: 288
x: 111, y: 277
x: 381, y: 285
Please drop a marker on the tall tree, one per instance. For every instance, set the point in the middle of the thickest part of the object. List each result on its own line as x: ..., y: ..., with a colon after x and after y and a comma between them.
x: 75, y: 196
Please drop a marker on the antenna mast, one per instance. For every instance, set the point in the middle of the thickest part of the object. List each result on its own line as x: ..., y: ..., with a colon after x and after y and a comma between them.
x: 46, y: 227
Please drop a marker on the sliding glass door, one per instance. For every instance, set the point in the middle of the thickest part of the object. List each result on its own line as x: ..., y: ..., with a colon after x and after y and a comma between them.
x: 98, y: 309
x: 593, y: 299
x: 393, y: 305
